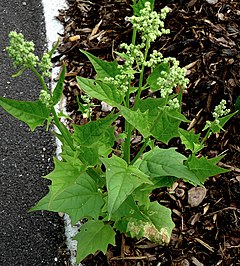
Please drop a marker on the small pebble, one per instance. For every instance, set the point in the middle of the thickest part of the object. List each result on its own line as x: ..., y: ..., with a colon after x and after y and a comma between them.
x: 24, y: 3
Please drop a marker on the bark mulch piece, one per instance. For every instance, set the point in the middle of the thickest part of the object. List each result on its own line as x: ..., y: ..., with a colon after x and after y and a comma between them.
x: 205, y: 38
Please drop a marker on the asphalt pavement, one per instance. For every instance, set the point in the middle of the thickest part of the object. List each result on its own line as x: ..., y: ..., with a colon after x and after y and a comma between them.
x: 36, y: 238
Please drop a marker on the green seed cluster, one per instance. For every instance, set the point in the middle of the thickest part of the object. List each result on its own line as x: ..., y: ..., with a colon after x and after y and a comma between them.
x: 21, y: 51
x: 175, y: 77
x: 221, y: 110
x: 150, y: 23
x: 45, y: 65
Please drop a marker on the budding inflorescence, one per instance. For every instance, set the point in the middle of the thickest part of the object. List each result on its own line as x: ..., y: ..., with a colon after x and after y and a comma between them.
x: 150, y: 23
x: 172, y: 78
x: 173, y: 104
x: 45, y: 65
x: 221, y: 110
x: 21, y: 51
x: 45, y: 98
x: 22, y: 54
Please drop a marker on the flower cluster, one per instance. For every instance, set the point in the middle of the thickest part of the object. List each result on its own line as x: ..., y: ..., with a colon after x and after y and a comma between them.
x: 45, y: 65
x: 220, y: 110
x: 173, y: 104
x: 150, y: 23
x: 21, y: 51
x: 45, y: 98
x: 132, y: 55
x: 174, y: 77
x: 121, y: 81
x: 155, y: 58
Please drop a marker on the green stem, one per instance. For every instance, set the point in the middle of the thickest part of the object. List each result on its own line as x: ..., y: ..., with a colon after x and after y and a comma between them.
x: 129, y: 127
x: 140, y: 152
x: 41, y: 79
x: 138, y: 96
x: 64, y: 131
x: 206, y: 136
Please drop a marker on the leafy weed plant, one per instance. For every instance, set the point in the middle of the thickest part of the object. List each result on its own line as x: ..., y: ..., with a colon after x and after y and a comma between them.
x: 110, y: 191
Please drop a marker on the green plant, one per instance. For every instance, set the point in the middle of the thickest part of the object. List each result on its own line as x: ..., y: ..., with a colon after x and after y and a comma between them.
x: 90, y: 181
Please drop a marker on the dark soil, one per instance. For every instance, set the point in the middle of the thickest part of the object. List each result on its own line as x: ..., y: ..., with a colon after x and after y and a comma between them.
x: 205, y: 38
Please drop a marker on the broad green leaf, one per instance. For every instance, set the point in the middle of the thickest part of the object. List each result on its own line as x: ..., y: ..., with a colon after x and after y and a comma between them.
x: 204, y: 168
x: 103, y: 68
x: 153, y: 77
x: 89, y: 156
x: 57, y: 93
x: 166, y: 163
x: 151, y: 104
x: 162, y: 123
x: 63, y: 176
x: 94, y: 236
x: 165, y: 126
x: 190, y: 140
x: 129, y: 208
x: 32, y: 113
x: 81, y: 200
x: 94, y: 138
x: 137, y: 119
x: 121, y: 180
x: 68, y: 182
x: 106, y: 92
x: 93, y: 132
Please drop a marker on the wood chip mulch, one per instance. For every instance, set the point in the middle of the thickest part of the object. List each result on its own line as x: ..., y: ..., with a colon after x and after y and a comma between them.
x: 205, y: 38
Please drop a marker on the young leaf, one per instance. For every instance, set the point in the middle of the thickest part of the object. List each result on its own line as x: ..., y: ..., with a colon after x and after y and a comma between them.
x: 94, y: 236
x: 103, y: 68
x: 57, y: 93
x: 166, y: 162
x: 190, y: 140
x: 222, y: 121
x: 19, y: 73
x: 204, y: 168
x: 32, y: 113
x: 55, y: 46
x: 106, y: 92
x: 121, y: 180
